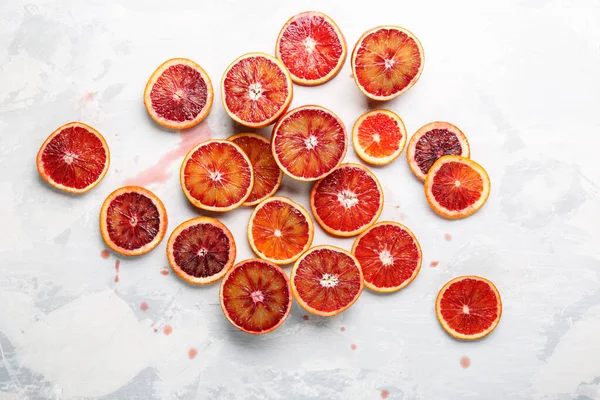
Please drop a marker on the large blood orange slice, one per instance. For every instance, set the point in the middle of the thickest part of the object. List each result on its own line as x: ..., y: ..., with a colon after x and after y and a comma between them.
x: 309, y: 142
x: 256, y: 89
x: 133, y: 221
x: 74, y: 158
x: 312, y: 48
x: 347, y: 201
x: 201, y: 250
x: 256, y: 296
x: 326, y: 280
x: 379, y: 137
x: 216, y: 175
x: 280, y: 230
x: 179, y: 94
x: 389, y: 255
x: 456, y: 187
x: 386, y: 62
x: 432, y: 141
x: 469, y: 307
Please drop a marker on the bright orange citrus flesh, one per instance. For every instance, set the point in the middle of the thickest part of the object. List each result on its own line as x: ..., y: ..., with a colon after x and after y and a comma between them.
x: 379, y: 137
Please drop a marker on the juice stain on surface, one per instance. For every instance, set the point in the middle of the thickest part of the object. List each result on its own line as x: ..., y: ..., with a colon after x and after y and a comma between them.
x: 164, y: 272
x: 305, y: 317
x: 144, y: 306
x: 117, y: 265
x: 353, y: 346
x: 192, y: 353
x: 385, y: 394
x: 434, y: 264
x: 167, y: 330
x: 105, y: 254
x: 465, y: 362
x: 343, y: 329
x: 448, y: 237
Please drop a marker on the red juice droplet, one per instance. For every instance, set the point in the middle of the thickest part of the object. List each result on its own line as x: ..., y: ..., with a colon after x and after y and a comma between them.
x: 353, y: 346
x: 385, y: 394
x: 144, y: 306
x: 192, y: 353
x: 155, y: 330
x: 434, y: 264
x: 105, y: 254
x: 167, y: 330
x: 465, y: 362
x: 448, y: 237
x: 343, y: 329
x: 116, y: 278
x: 164, y: 272
x: 305, y: 317
x: 117, y: 265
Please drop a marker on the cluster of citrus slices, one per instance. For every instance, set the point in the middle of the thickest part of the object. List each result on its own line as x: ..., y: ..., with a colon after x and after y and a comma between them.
x: 308, y: 143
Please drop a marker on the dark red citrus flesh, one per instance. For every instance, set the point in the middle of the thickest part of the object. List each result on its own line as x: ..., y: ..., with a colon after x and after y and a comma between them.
x: 132, y: 220
x: 456, y: 186
x: 434, y: 144
x: 379, y: 135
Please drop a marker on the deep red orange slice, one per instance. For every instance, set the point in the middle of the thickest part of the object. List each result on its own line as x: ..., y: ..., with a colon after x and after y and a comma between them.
x: 74, y: 158
x: 256, y: 296
x: 309, y: 142
x: 469, y: 307
x: 133, y: 221
x: 379, y: 137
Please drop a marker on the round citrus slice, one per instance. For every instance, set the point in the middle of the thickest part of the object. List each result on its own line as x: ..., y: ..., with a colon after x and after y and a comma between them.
x: 469, y: 307
x: 256, y: 296
x: 379, y: 137
x: 201, y: 250
x: 389, y: 255
x: 216, y: 175
x: 309, y: 142
x: 312, y: 48
x: 347, y: 201
x: 74, y: 158
x: 256, y: 90
x: 133, y: 221
x: 456, y: 187
x: 179, y: 94
x: 386, y: 62
x: 432, y: 141
x: 326, y: 280
x: 280, y: 230
x: 267, y: 175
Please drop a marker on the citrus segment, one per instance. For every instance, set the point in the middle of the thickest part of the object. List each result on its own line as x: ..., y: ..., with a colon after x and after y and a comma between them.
x: 379, y: 137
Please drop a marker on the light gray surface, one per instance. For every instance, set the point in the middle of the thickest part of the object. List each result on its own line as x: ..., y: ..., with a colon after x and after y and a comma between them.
x: 520, y: 80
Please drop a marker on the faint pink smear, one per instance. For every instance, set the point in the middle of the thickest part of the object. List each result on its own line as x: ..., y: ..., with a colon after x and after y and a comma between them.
x: 448, y: 237
x: 465, y: 362
x: 164, y: 272
x: 192, y: 353
x: 167, y: 330
x: 104, y: 254
x: 434, y: 264
x: 144, y: 306
x: 385, y: 394
x: 353, y: 346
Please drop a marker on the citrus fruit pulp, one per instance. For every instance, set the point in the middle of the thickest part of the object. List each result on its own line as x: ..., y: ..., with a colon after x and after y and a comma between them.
x: 432, y: 141
x: 74, y: 158
x: 280, y: 230
x: 256, y: 296
x: 326, y: 280
x: 133, y: 220
x: 179, y: 94
x: 347, y: 201
x: 216, y: 175
x: 309, y: 142
x: 256, y: 89
x: 469, y: 307
x: 379, y: 137
x: 456, y: 187
x: 312, y: 48
x: 386, y: 62
x: 267, y: 175
x: 389, y: 255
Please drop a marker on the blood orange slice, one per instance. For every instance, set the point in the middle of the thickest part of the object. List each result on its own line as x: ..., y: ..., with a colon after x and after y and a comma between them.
x: 386, y: 62
x: 456, y: 187
x: 267, y: 175
x: 216, y: 175
x: 326, y: 280
x: 74, y: 158
x: 256, y: 296
x: 133, y: 221
x: 469, y: 307
x: 280, y: 230
x: 201, y: 250
x: 309, y: 142
x: 179, y: 94
x: 432, y: 141
x: 347, y: 201
x: 389, y: 255
x: 379, y: 137
x: 312, y: 48
x: 256, y: 89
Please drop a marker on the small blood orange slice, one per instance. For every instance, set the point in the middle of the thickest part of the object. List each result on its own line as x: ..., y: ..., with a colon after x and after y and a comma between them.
x: 267, y: 175
x: 133, y: 221
x: 256, y: 90
x: 309, y: 142
x: 348, y: 201
x: 216, y: 175
x: 386, y: 62
x: 280, y: 230
x: 256, y: 296
x: 201, y: 250
x: 456, y: 187
x: 379, y: 137
x: 74, y: 158
x: 312, y: 48
x: 326, y: 280
x: 432, y: 141
x: 389, y: 255
x: 179, y: 94
x: 469, y: 307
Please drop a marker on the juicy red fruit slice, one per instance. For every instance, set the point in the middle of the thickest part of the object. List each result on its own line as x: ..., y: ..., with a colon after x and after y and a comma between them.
x: 434, y: 144
x: 133, y: 221
x: 451, y: 196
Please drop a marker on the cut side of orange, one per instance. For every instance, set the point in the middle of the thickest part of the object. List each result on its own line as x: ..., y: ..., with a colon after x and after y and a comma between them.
x: 280, y: 230
x: 379, y: 137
